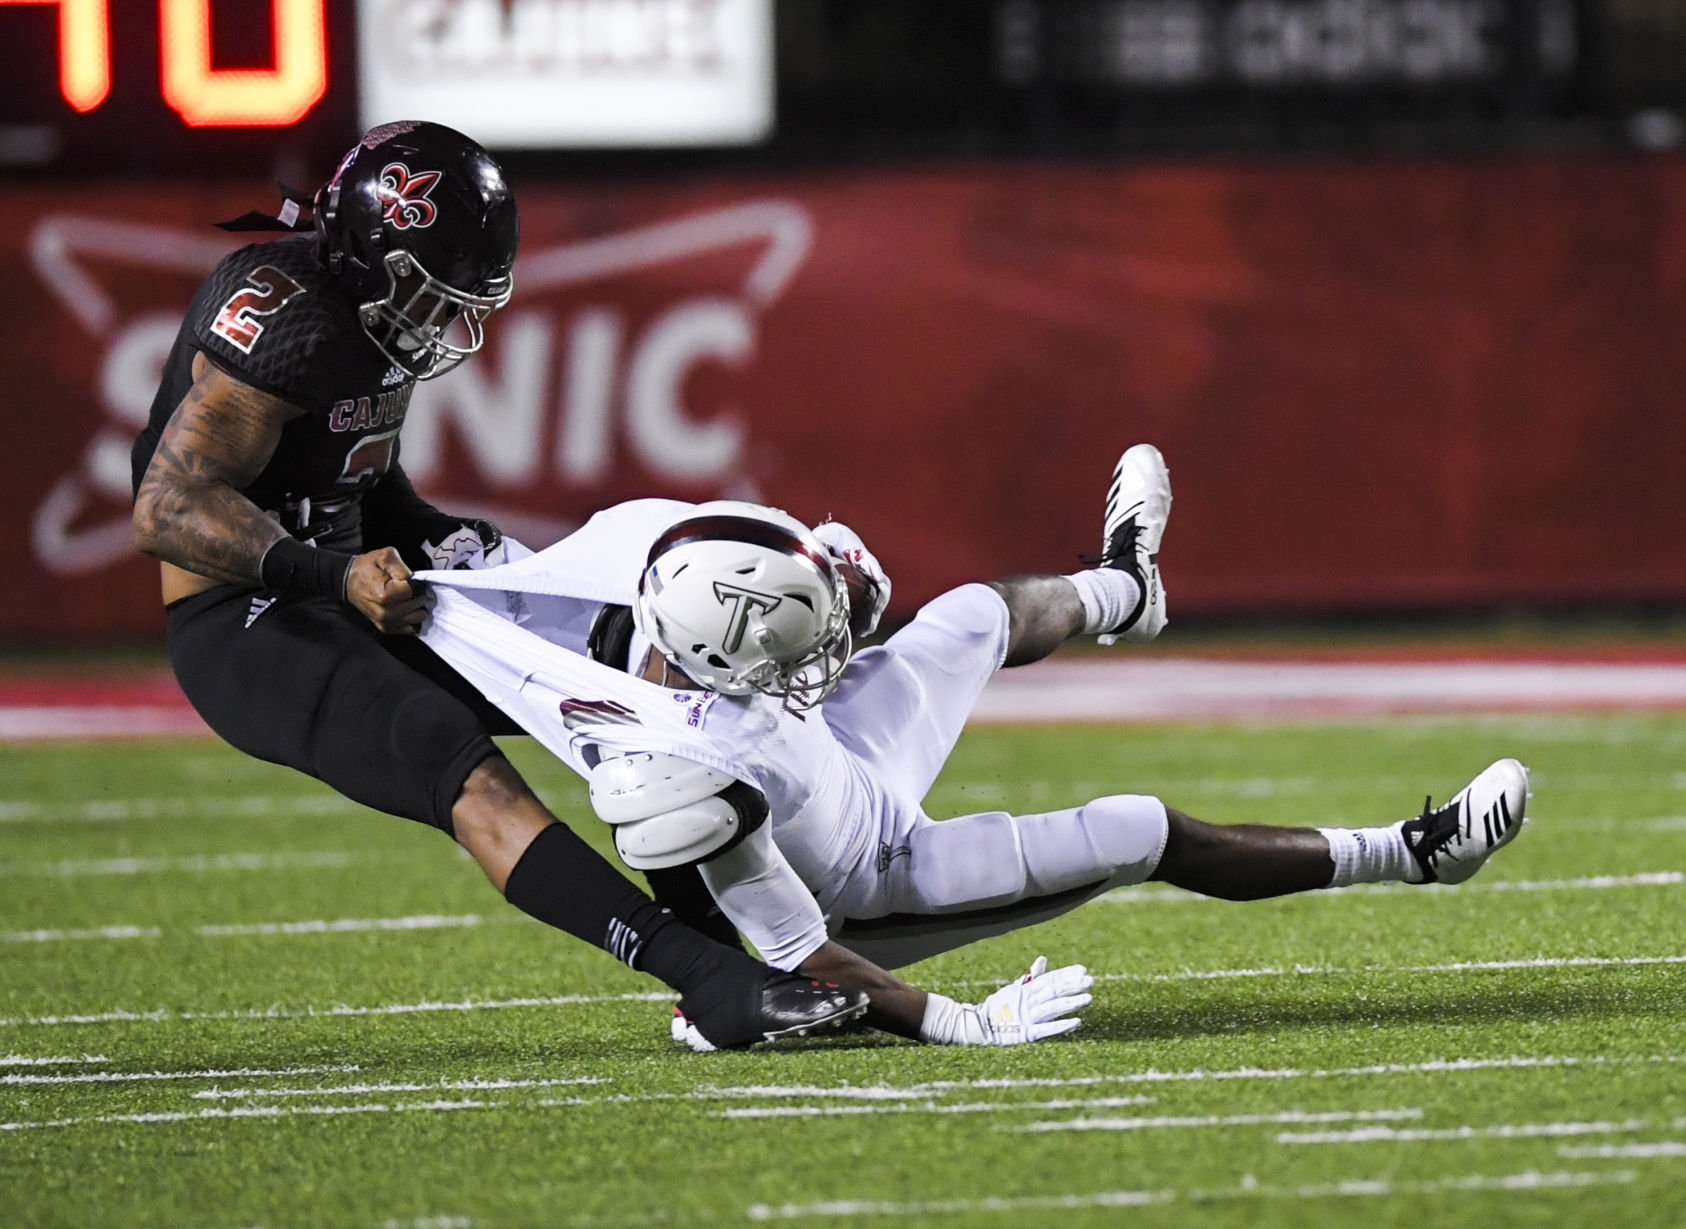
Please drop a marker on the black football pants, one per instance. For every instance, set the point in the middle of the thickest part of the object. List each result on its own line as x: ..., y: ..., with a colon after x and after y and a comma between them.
x: 308, y: 682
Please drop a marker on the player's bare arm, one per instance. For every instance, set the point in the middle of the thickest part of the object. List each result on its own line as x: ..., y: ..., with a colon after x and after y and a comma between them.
x: 190, y: 513
x: 896, y: 1006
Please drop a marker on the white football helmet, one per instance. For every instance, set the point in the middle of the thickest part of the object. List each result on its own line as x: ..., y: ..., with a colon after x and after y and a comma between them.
x: 743, y: 598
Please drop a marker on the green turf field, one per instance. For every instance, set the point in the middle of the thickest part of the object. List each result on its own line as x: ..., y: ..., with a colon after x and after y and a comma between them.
x: 229, y: 999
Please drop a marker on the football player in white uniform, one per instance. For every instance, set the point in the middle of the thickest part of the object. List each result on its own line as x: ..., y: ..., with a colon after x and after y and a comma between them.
x: 755, y: 710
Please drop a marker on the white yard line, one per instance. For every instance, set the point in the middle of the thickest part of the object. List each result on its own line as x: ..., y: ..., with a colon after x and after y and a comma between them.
x: 927, y: 1107
x: 1420, y: 1135
x: 130, y: 1077
x: 126, y: 810
x: 1146, y: 894
x: 1155, y: 894
x: 1529, y: 1180
x: 1641, y: 879
x: 1542, y: 962
x: 896, y: 1093
x: 249, y: 1111
x: 956, y: 1207
x: 161, y: 1016
x: 312, y: 926
x: 355, y: 1090
x: 121, y: 1015
x: 101, y: 932
x: 1663, y: 1149
x: 1317, y: 970
x: 31, y: 1060
x: 892, y: 1092
x: 184, y: 865
x: 315, y: 926
x: 1170, y: 1121
x: 855, y: 1092
x: 1325, y: 970
x: 1431, y: 1067
x: 422, y: 921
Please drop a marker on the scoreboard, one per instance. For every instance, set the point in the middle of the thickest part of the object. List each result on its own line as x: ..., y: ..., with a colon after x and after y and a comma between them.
x: 117, y: 85
x: 170, y: 87
x: 200, y: 93
x: 209, y: 86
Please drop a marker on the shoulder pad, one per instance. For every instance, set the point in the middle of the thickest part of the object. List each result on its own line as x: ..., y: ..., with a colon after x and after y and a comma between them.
x: 649, y: 783
x: 273, y: 317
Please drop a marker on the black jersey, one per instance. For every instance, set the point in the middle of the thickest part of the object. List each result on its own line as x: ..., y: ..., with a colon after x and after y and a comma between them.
x: 273, y: 317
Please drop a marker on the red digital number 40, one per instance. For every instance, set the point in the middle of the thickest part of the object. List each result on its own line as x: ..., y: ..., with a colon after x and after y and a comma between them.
x: 203, y: 95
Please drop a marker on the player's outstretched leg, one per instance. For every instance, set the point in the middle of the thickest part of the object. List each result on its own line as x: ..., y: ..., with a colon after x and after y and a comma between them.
x: 1120, y: 596
x: 544, y: 869
x: 1138, y: 506
x: 1444, y: 844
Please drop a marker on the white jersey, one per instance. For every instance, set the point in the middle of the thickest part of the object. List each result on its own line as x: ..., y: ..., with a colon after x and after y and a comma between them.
x: 844, y: 782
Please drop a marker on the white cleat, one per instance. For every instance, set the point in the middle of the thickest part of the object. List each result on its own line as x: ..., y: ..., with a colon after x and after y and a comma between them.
x: 1450, y: 843
x: 1137, y: 507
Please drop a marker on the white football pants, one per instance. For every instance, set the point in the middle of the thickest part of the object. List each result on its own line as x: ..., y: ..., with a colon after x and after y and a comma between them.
x: 919, y: 886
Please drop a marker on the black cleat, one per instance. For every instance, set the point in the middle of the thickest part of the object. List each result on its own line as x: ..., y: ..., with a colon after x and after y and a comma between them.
x: 786, y: 1006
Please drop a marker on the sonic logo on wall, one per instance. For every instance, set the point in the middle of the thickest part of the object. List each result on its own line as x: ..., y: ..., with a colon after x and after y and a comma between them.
x: 579, y: 398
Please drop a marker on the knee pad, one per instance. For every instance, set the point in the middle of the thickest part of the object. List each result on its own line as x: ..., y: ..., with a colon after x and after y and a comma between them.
x: 1118, y: 838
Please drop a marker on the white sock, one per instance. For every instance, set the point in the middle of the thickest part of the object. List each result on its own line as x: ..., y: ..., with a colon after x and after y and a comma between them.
x: 1107, y: 595
x: 1371, y: 855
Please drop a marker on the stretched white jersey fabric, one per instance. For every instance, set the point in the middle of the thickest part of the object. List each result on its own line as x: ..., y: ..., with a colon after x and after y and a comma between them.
x: 851, y: 851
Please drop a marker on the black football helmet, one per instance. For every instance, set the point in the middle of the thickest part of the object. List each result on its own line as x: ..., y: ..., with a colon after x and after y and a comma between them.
x: 420, y: 228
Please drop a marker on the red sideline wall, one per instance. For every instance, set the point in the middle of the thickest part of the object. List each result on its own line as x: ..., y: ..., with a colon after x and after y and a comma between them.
x: 1378, y: 386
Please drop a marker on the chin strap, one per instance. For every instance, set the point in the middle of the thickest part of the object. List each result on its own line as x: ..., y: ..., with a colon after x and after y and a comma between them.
x: 297, y: 213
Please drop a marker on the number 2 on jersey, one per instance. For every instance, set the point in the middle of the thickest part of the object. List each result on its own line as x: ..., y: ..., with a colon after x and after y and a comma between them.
x: 266, y: 292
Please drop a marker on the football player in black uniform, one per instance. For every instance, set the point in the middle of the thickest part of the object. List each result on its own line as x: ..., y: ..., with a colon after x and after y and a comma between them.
x: 267, y: 482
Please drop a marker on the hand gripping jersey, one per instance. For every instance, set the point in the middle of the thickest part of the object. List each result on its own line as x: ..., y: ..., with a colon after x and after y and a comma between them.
x: 273, y: 317
x: 844, y: 782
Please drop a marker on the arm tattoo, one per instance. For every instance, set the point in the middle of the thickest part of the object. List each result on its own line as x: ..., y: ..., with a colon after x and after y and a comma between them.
x: 189, y: 510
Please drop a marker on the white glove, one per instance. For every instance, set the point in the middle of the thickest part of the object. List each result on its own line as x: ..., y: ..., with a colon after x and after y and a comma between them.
x: 682, y: 1030
x: 1033, y: 1008
x: 477, y: 544
x: 845, y: 544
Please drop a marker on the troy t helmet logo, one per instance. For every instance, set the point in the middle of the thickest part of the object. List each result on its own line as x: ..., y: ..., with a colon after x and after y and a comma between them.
x: 743, y: 604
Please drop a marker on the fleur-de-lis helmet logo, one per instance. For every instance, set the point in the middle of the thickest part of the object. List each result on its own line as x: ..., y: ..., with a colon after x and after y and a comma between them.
x: 404, y: 196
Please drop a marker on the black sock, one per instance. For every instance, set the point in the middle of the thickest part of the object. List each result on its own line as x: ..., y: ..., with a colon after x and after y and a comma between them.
x: 563, y: 882
x: 682, y: 890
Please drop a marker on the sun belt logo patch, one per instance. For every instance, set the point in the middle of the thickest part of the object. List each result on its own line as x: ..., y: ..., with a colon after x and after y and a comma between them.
x: 404, y: 196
